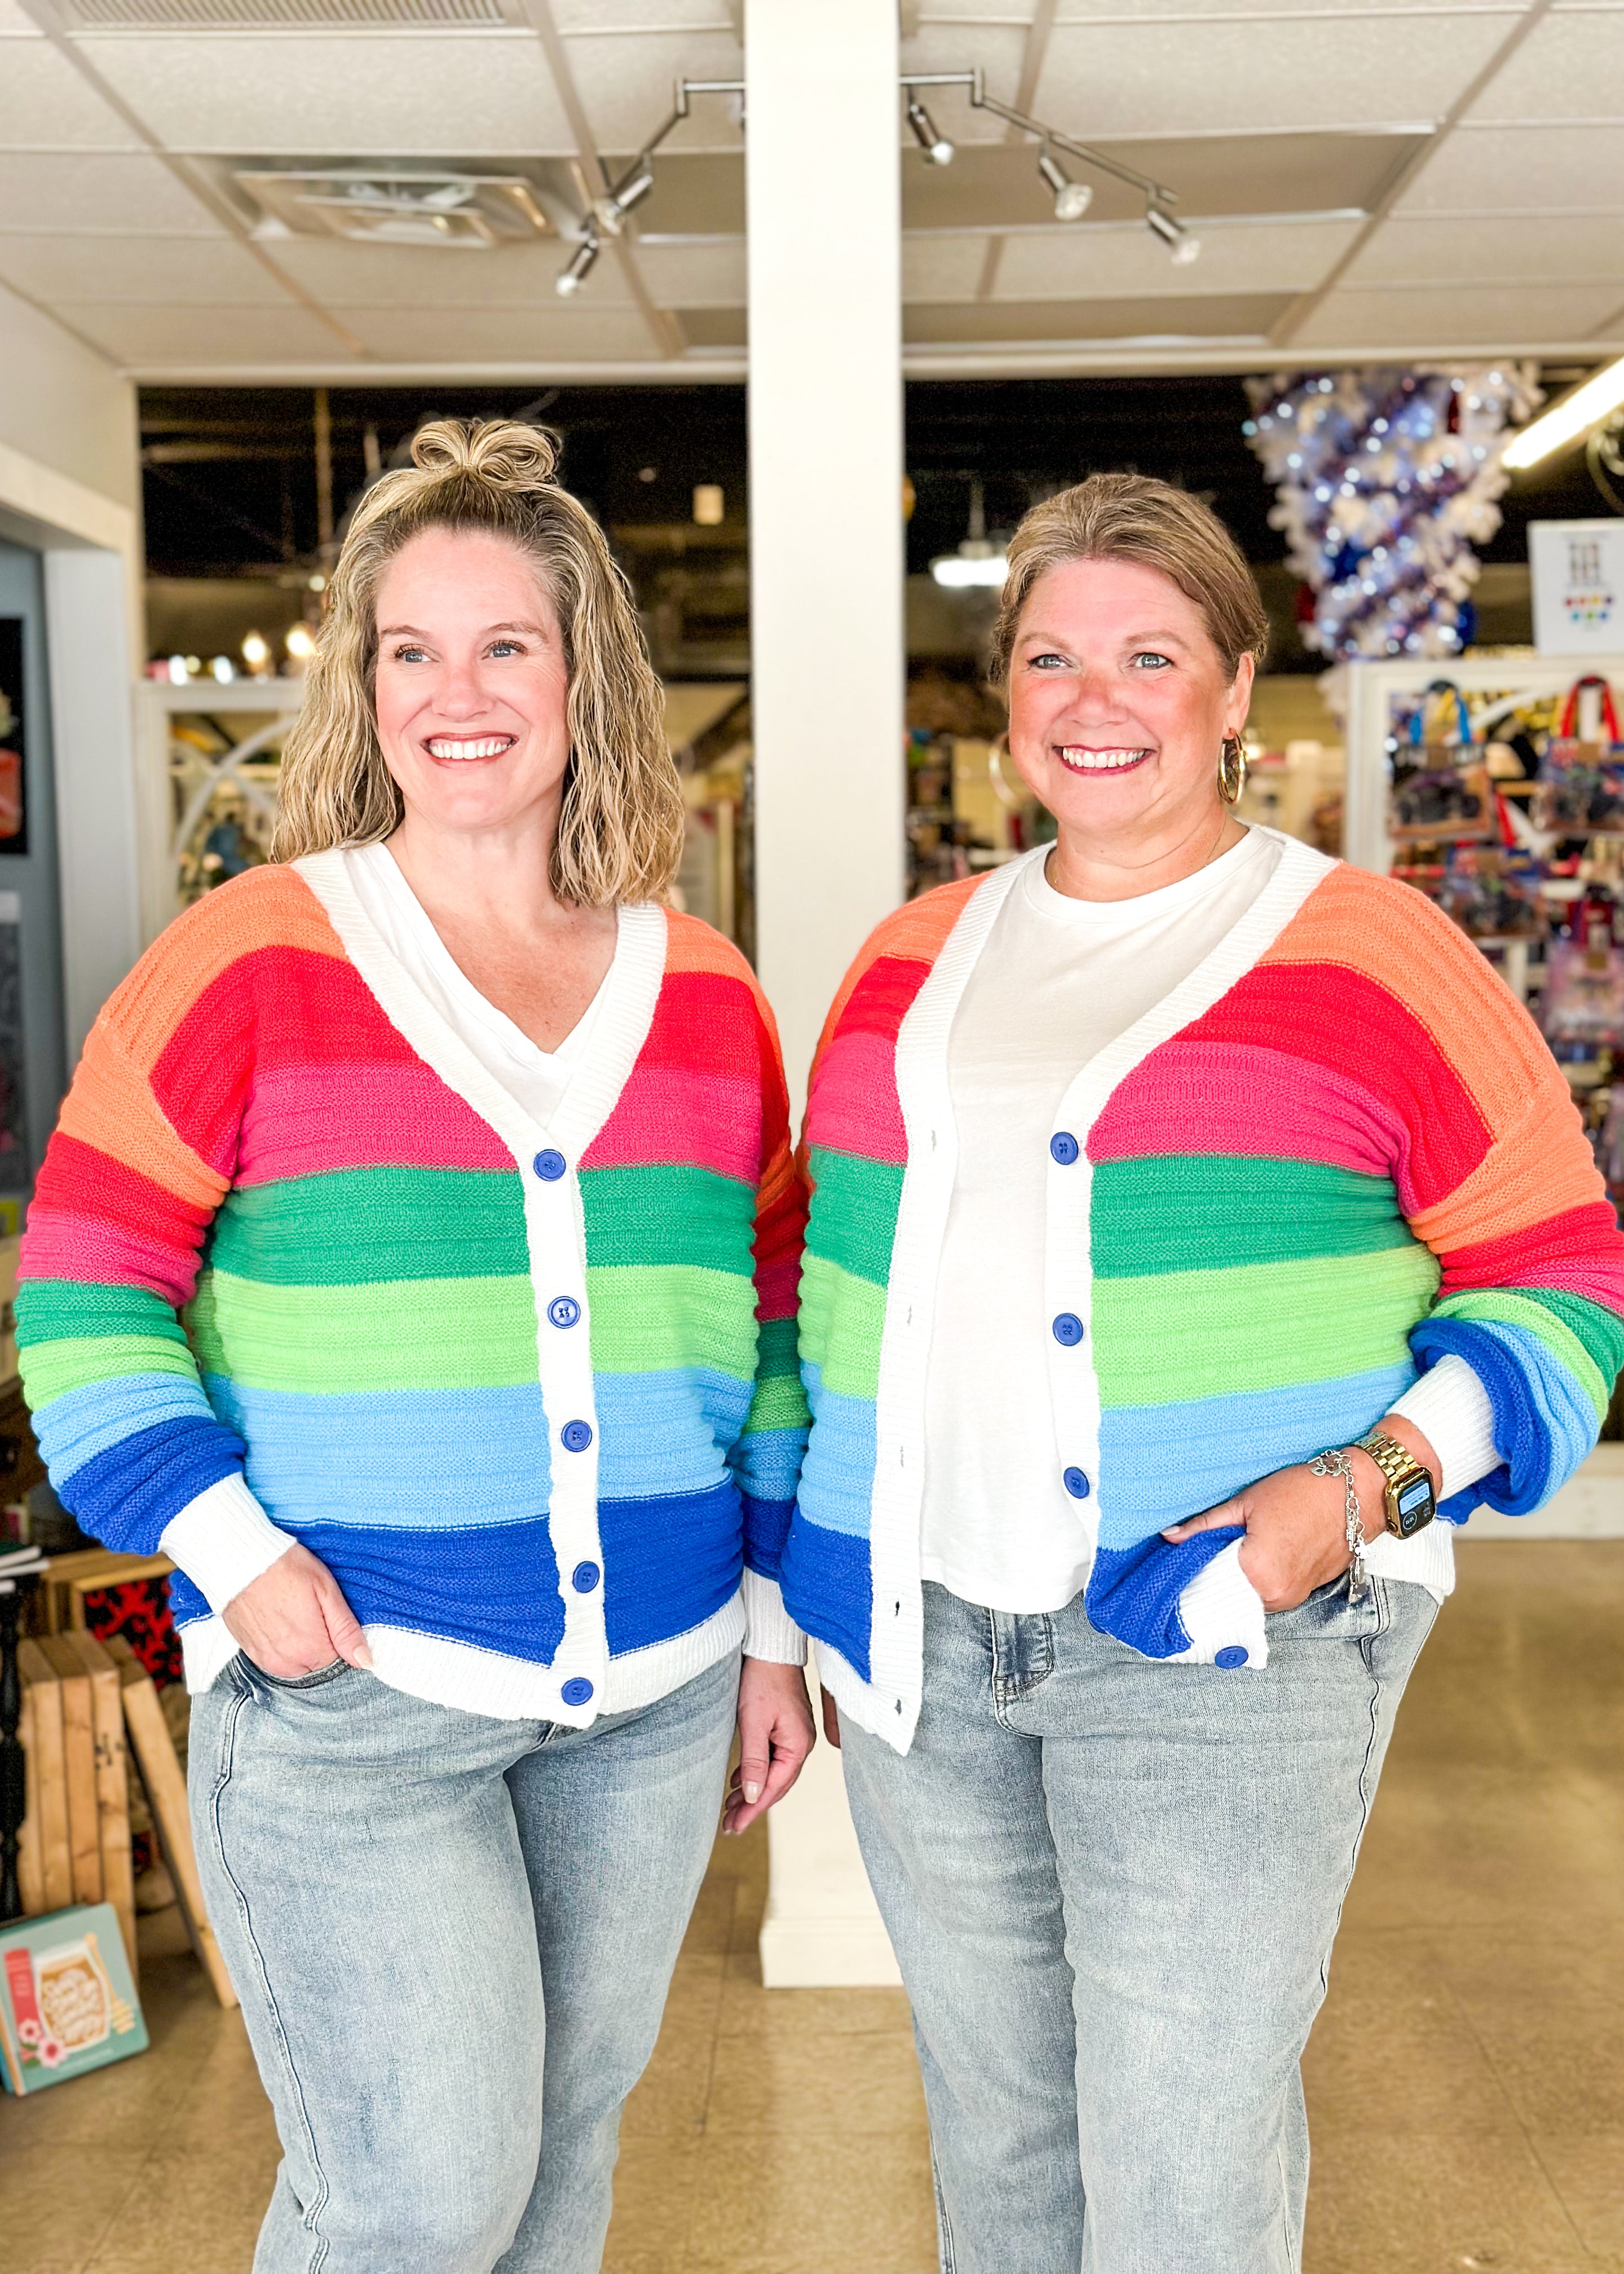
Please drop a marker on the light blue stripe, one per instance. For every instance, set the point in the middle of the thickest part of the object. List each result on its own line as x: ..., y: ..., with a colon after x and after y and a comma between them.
x: 660, y: 1435
x: 1160, y: 1463
x: 73, y: 1428
x: 836, y: 1483
x: 767, y: 1462
x: 1562, y: 1411
x: 419, y: 1460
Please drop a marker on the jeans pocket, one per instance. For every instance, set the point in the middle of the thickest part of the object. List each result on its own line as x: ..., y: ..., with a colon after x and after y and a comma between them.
x: 1331, y: 1613
x: 318, y: 1679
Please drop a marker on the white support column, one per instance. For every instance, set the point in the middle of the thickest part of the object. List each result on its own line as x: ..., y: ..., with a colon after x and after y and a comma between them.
x: 822, y: 169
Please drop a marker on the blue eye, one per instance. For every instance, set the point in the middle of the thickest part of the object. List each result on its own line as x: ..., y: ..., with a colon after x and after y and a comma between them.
x: 1150, y: 661
x: 1045, y: 661
x: 408, y: 655
x: 506, y: 647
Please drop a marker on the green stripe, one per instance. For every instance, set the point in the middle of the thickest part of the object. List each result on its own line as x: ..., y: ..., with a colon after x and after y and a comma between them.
x: 1206, y: 1212
x: 1599, y: 1329
x: 853, y: 1217
x: 56, y: 1310
x: 1506, y: 1306
x: 777, y: 1350
x: 842, y: 1319
x: 360, y: 1225
x: 424, y: 1334
x: 50, y: 1369
x: 665, y: 1214
x: 1177, y: 1337
x: 650, y: 1318
x: 779, y: 1404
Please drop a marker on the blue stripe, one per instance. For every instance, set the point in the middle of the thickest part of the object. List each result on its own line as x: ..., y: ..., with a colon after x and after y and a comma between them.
x: 413, y: 1459
x: 766, y: 1528
x: 1545, y: 1423
x: 125, y: 1496
x: 668, y: 1563
x: 73, y: 1428
x: 836, y: 1484
x: 660, y: 1434
x: 829, y: 1588
x: 1160, y: 1463
x: 1134, y: 1595
x: 495, y: 1587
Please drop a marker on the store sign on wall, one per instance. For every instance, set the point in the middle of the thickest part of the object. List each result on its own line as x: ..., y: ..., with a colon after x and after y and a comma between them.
x: 13, y: 808
x: 1578, y: 575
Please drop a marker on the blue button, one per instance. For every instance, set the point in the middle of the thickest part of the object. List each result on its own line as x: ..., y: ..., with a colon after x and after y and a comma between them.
x: 1076, y: 1483
x: 577, y: 1435
x: 576, y: 1693
x: 1064, y: 1148
x: 584, y: 1577
x: 1068, y: 1328
x: 1235, y: 1655
x: 549, y: 1165
x: 563, y: 1310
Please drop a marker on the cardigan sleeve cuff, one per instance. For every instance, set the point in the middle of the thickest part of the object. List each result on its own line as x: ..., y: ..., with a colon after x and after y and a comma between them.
x: 1222, y: 1614
x: 769, y: 1630
x: 223, y: 1540
x: 1456, y: 1414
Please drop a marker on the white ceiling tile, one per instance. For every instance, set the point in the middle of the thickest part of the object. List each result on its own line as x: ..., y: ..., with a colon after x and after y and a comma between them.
x: 962, y: 12
x: 412, y: 276
x: 942, y: 267
x: 46, y: 105
x: 43, y: 191
x: 1509, y: 168
x: 1409, y: 250
x: 467, y: 96
x: 172, y: 271
x: 998, y: 50
x: 546, y: 336
x: 589, y: 16
x: 1122, y: 261
x: 1569, y: 67
x: 1088, y: 12
x: 155, y: 337
x: 1510, y: 319
x: 711, y: 275
x: 1149, y: 78
x: 13, y: 19
x: 625, y: 85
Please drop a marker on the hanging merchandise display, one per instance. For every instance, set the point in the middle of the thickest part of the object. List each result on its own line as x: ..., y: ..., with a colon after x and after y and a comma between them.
x: 1388, y: 481
x: 1581, y: 787
x: 1440, y: 789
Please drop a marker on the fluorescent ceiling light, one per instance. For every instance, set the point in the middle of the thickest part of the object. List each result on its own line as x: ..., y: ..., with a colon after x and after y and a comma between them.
x: 961, y: 570
x: 1574, y: 415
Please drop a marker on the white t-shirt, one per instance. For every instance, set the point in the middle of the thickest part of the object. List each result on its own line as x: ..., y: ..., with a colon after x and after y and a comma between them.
x: 1057, y: 980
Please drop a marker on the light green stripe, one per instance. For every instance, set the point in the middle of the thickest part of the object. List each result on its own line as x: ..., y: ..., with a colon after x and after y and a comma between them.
x: 779, y: 1403
x: 414, y: 1334
x: 1176, y: 1337
x: 50, y: 1369
x: 842, y: 1319
x: 647, y: 1318
x: 1501, y: 1307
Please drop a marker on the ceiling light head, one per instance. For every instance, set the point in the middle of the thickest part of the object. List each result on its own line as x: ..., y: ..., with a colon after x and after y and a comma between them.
x: 935, y: 147
x: 1072, y: 199
x: 1182, y: 247
x: 569, y: 281
x: 1566, y: 421
x: 633, y: 186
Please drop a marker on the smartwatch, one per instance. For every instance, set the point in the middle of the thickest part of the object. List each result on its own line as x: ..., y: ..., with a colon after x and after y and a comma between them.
x: 1407, y: 1499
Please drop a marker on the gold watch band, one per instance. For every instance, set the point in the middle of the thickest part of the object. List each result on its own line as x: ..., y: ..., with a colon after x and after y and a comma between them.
x: 1399, y: 1467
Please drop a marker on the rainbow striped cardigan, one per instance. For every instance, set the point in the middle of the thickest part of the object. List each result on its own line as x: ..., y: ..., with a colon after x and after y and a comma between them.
x: 530, y: 1393
x: 1336, y: 1151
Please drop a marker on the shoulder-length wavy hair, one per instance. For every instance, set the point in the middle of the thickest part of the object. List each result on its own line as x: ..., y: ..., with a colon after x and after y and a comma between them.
x: 619, y: 834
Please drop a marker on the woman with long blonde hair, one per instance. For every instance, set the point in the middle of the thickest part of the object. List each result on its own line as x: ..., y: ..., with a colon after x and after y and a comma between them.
x: 464, y: 1163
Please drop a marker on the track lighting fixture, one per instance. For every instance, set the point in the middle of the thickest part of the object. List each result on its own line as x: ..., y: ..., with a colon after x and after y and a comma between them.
x: 1182, y: 247
x: 935, y: 147
x: 633, y: 186
x: 569, y: 281
x: 1072, y: 199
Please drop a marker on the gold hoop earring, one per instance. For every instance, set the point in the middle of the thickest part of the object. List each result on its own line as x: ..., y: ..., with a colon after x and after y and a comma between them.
x: 1231, y: 768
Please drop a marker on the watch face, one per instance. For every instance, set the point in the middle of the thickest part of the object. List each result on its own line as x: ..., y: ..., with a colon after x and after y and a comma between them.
x: 1415, y: 1506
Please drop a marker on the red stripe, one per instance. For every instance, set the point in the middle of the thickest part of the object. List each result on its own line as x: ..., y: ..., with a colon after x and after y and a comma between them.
x: 1582, y: 1250
x: 89, y: 1207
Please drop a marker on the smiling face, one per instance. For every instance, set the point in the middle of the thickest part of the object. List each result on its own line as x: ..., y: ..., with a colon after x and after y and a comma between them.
x: 1119, y: 705
x: 472, y: 691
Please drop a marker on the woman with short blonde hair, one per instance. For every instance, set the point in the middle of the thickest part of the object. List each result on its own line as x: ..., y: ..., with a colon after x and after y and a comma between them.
x: 464, y: 1162
x: 1193, y: 1217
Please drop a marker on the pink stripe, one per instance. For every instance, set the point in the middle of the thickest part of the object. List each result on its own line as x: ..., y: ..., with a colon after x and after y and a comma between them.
x: 62, y: 1246
x: 1239, y: 1097
x: 853, y: 1106
x: 304, y: 1121
x: 685, y: 1115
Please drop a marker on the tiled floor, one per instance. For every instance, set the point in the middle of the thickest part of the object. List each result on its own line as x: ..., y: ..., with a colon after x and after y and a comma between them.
x: 1466, y: 2080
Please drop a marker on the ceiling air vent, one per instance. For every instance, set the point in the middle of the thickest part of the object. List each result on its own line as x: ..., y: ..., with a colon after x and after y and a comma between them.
x: 476, y: 211
x: 288, y: 15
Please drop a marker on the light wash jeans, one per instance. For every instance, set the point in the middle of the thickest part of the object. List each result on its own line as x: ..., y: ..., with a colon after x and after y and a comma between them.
x: 413, y: 1903
x: 1112, y: 1887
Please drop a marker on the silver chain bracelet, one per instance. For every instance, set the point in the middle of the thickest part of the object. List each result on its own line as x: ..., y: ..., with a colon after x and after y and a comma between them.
x: 1335, y: 1463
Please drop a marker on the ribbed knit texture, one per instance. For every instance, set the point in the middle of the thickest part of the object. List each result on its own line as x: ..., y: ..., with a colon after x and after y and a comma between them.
x: 1359, y: 1155
x: 250, y: 1143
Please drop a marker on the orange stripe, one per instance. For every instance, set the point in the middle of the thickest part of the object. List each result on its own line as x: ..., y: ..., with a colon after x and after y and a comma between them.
x: 1393, y: 936
x: 917, y: 931
x: 1541, y: 1169
x: 111, y: 1107
x: 265, y: 907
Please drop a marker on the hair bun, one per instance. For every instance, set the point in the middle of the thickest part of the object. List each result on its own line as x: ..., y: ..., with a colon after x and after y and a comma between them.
x: 496, y: 450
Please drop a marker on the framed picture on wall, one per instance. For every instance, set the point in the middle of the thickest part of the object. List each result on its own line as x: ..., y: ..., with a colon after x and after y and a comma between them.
x: 13, y: 772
